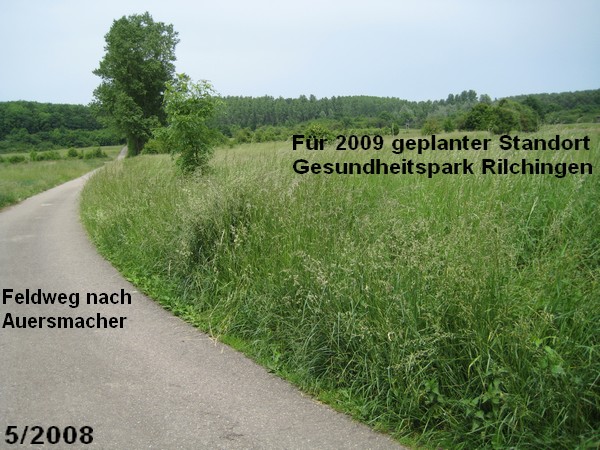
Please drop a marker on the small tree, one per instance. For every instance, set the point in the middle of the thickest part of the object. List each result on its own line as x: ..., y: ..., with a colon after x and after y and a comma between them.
x: 504, y: 120
x: 448, y: 125
x: 478, y: 118
x: 316, y: 130
x: 189, y: 107
x: 509, y: 115
x: 431, y: 126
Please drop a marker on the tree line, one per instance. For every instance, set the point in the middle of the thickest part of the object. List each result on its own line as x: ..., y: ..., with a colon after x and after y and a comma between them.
x: 254, y: 112
x: 26, y: 125
x: 268, y: 118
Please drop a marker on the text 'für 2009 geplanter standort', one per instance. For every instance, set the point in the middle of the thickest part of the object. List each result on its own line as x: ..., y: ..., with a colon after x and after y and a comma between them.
x: 524, y: 164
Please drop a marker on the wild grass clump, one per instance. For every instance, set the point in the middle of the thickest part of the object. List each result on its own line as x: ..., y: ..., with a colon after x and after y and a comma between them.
x: 463, y: 309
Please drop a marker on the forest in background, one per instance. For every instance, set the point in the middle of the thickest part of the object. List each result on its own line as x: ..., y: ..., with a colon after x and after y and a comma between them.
x: 267, y: 118
x: 26, y: 125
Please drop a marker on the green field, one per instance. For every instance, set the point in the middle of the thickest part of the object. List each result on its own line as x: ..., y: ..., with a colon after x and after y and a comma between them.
x: 21, y: 180
x: 460, y: 311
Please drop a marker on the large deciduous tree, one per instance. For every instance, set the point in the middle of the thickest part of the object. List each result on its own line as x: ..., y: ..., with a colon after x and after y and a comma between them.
x: 135, y: 70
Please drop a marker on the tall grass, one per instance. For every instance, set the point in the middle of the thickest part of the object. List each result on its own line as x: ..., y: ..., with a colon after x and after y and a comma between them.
x: 22, y: 180
x: 463, y: 309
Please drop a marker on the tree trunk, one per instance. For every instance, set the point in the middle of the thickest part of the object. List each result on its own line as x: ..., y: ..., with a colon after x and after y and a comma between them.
x: 134, y: 146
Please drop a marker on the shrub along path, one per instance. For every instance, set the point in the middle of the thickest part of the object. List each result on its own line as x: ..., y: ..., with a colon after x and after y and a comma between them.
x: 155, y: 383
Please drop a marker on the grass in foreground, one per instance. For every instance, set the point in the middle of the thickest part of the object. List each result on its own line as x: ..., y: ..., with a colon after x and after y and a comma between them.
x: 461, y: 311
x: 22, y: 180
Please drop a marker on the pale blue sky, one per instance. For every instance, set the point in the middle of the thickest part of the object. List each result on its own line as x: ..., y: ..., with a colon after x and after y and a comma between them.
x: 413, y: 49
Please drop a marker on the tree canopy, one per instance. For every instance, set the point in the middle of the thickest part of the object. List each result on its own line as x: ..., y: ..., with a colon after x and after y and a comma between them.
x: 135, y: 69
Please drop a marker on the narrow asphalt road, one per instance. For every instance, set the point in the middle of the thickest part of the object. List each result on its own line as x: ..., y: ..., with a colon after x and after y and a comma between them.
x: 155, y: 383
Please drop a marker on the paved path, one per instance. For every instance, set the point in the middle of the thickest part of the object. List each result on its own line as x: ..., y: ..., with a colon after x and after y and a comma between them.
x: 157, y: 383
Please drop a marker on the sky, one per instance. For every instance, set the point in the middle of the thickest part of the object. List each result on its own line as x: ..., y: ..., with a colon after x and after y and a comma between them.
x: 410, y: 49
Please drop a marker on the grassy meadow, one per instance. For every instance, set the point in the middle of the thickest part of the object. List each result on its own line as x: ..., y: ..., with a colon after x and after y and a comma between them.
x: 24, y: 179
x: 460, y: 311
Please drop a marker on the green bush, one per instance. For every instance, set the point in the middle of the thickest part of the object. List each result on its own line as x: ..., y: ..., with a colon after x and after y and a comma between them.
x: 95, y: 153
x: 431, y: 126
x: 16, y: 159
x: 478, y: 118
x: 448, y: 125
x: 51, y: 155
x: 503, y: 117
x: 242, y: 135
x: 73, y: 153
x: 504, y: 120
x: 265, y: 134
x: 155, y: 147
x: 316, y: 130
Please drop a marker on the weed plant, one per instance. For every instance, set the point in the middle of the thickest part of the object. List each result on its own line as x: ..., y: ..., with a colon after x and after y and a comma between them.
x: 461, y: 310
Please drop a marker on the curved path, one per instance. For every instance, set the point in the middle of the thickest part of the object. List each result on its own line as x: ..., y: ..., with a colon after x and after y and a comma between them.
x: 157, y: 383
